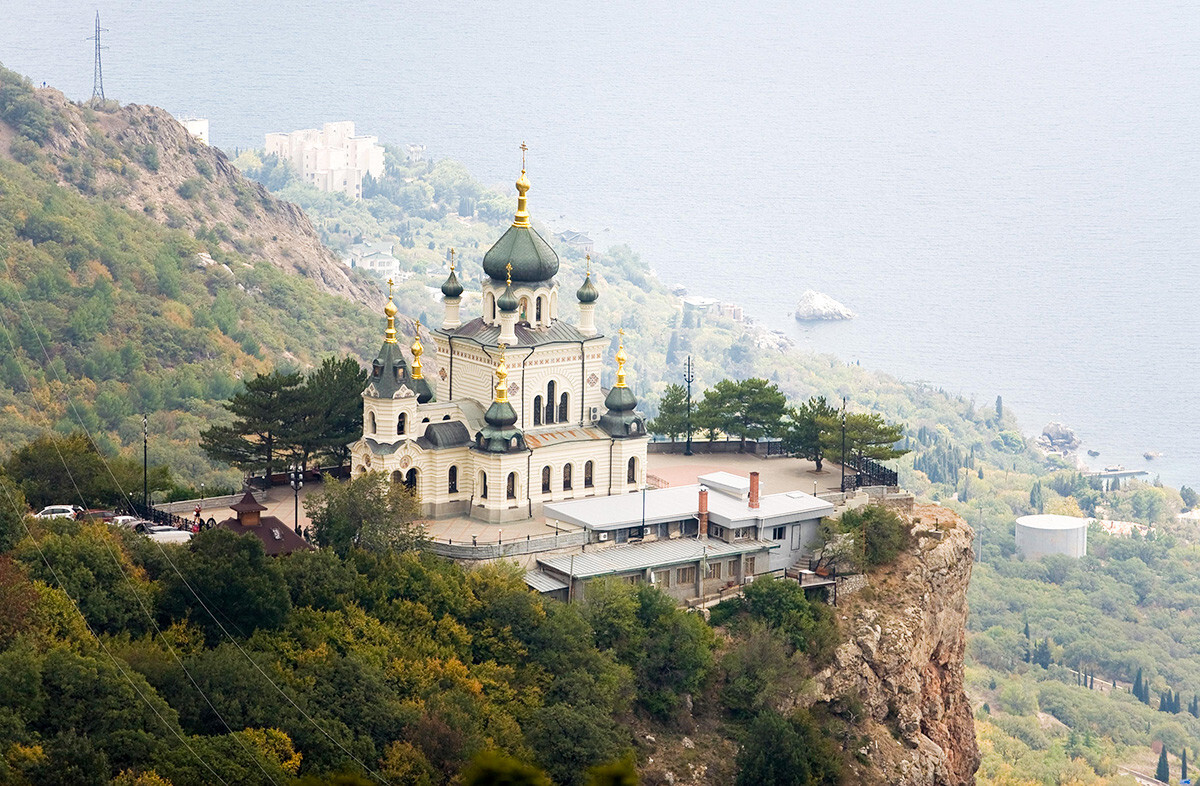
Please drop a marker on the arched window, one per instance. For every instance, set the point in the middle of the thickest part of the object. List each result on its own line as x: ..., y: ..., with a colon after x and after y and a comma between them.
x: 452, y: 480
x: 631, y: 476
x: 546, y: 480
x: 588, y: 469
x: 540, y: 300
x: 566, y: 477
x: 490, y: 305
x: 562, y: 408
x: 397, y: 476
x: 410, y: 479
x: 371, y: 422
x: 483, y: 485
x: 537, y: 410
x: 550, y: 402
x: 402, y: 423
x: 512, y: 485
x: 524, y: 309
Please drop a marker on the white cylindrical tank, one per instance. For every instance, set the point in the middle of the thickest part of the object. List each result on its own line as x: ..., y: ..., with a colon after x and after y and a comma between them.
x: 1048, y: 533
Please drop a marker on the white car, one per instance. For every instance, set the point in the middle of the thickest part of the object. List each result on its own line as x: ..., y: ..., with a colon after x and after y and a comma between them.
x: 57, y: 512
x: 165, y: 533
x: 127, y: 522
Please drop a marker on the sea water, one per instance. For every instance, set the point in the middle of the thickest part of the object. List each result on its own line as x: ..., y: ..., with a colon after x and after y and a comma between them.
x: 1007, y: 194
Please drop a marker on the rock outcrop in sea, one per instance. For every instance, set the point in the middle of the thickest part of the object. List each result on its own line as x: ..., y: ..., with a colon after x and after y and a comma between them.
x: 815, y: 305
x: 1058, y: 438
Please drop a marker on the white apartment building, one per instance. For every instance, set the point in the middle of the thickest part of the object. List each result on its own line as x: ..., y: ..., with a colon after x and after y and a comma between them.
x: 332, y: 159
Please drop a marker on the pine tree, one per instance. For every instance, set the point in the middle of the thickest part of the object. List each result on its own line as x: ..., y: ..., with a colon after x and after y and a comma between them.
x: 1163, y: 773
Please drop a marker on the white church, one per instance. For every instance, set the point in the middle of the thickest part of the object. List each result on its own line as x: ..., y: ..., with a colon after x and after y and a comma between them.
x: 515, y: 417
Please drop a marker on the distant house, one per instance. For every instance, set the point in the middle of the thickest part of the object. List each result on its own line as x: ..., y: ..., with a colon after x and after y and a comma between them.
x: 686, y: 541
x: 374, y: 257
x: 332, y: 159
x: 277, y: 538
x: 578, y: 240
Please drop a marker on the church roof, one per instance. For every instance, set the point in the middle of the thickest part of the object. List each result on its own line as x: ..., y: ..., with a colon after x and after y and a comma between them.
x: 447, y: 435
x: 531, y: 257
x: 489, y: 335
x: 389, y: 371
x: 542, y: 439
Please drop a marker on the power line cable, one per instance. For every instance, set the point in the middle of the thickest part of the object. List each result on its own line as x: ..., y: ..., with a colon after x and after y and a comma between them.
x: 163, y: 551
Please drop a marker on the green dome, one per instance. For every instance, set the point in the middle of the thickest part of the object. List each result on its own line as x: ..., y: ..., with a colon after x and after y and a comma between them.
x: 588, y: 292
x: 531, y: 257
x: 452, y: 288
x: 507, y: 301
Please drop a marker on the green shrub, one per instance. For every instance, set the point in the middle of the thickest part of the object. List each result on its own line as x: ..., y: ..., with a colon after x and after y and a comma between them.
x: 190, y: 188
x: 880, y: 534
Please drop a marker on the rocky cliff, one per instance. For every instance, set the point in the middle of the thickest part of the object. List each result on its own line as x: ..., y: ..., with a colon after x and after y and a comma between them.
x: 141, y: 157
x: 900, y: 668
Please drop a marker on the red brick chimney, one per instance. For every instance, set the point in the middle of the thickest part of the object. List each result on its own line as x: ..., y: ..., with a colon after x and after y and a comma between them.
x: 702, y: 514
x: 753, y: 490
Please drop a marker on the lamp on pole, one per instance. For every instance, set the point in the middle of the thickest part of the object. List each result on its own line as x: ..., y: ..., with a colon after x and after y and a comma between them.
x: 689, y: 375
x: 843, y: 462
x: 145, y: 464
x: 297, y: 477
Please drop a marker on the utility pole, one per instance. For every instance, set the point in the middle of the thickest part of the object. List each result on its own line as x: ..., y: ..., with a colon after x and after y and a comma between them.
x: 689, y: 375
x: 145, y: 464
x: 98, y: 74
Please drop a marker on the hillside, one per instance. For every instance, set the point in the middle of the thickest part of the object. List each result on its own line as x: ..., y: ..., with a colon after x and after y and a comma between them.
x: 142, y: 274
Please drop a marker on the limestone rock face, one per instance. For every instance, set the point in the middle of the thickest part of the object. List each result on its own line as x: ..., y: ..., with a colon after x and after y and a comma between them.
x: 143, y: 157
x: 817, y: 306
x: 902, y: 659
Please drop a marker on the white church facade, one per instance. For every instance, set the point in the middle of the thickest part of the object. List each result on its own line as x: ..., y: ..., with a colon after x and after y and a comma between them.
x: 514, y: 417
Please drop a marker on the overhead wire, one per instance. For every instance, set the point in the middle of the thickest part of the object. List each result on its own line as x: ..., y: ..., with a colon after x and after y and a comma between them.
x: 163, y: 551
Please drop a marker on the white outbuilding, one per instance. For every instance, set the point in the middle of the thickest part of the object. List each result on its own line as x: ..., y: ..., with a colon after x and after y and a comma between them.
x: 1049, y: 533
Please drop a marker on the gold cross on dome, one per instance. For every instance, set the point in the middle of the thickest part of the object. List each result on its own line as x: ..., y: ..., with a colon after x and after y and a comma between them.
x: 451, y: 259
x: 524, y: 147
x: 508, y: 267
x: 389, y: 287
x: 589, y: 264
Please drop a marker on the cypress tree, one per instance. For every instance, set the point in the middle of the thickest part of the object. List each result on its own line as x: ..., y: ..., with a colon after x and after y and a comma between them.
x: 1183, y: 764
x: 1137, y: 685
x: 1163, y: 773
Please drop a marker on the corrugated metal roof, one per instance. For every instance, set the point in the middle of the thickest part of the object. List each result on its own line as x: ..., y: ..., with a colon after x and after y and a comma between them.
x: 640, y: 556
x: 542, y: 581
x: 677, y: 503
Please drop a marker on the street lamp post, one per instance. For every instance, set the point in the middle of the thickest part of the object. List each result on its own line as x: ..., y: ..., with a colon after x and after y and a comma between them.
x: 297, y: 478
x: 145, y: 464
x: 843, y: 444
x: 689, y: 375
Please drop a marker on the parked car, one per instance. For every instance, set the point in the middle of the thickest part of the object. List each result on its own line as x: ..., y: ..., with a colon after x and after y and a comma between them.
x: 165, y: 533
x: 127, y: 522
x: 95, y: 515
x: 58, y: 512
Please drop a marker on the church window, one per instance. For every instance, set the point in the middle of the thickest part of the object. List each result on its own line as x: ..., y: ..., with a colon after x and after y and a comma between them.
x: 566, y: 477
x: 562, y: 408
x: 402, y: 423
x: 537, y: 410
x: 452, y: 480
x: 631, y: 474
x: 539, y: 310
x: 397, y: 476
x: 371, y: 422
x: 512, y: 485
x: 524, y: 309
x: 490, y: 305
x: 550, y: 402
x: 588, y: 469
x: 546, y: 480
x: 483, y: 485
x: 410, y: 479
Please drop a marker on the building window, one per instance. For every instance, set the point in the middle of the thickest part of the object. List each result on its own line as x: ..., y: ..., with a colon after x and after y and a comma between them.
x: 733, y: 568
x: 539, y: 310
x: 545, y: 480
x: 524, y: 309
x: 779, y: 533
x: 512, y: 485
x: 587, y: 474
x: 537, y: 410
x: 402, y: 423
x: 562, y: 408
x: 371, y: 422
x: 662, y: 578
x: 483, y: 485
x: 410, y: 480
x: 633, y: 578
x: 550, y: 402
x: 749, y: 566
x: 397, y: 477
x: 685, y: 576
x: 566, y: 477
x: 452, y: 480
x: 631, y: 474
x: 713, y: 571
